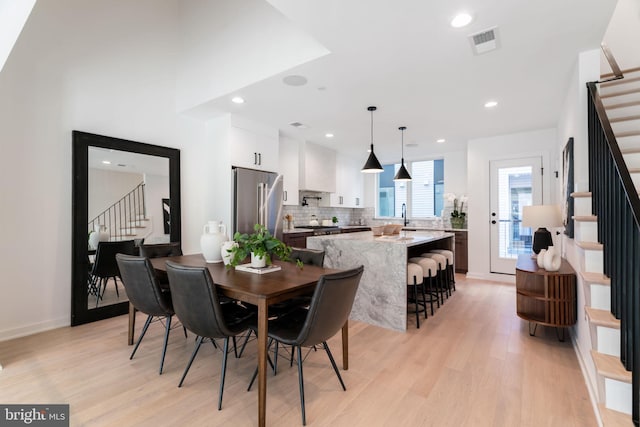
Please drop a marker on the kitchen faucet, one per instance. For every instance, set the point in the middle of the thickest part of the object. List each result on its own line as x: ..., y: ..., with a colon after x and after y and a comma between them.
x: 404, y: 214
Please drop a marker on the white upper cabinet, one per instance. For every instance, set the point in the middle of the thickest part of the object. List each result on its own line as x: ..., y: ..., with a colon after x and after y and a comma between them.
x: 253, y: 146
x: 349, y: 183
x: 317, y: 168
x: 289, y: 168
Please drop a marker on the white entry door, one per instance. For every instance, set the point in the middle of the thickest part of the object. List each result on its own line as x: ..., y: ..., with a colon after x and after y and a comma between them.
x: 515, y: 183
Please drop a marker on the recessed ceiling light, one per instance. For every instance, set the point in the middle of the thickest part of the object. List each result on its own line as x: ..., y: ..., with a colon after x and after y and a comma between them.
x: 106, y: 162
x: 441, y: 140
x: 461, y: 20
x: 328, y: 135
x: 294, y: 80
x: 490, y: 104
x: 237, y: 100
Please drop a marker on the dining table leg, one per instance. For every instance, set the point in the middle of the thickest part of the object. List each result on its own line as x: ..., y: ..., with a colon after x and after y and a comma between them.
x: 132, y: 324
x: 262, y: 361
x: 345, y: 346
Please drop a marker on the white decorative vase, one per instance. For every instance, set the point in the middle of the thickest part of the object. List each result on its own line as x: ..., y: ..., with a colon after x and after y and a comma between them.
x: 224, y: 251
x: 257, y: 261
x: 99, y: 234
x: 214, y: 234
x: 540, y: 258
x: 552, y: 259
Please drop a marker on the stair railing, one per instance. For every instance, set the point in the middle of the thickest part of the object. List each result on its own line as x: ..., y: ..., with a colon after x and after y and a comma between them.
x: 123, y: 215
x: 616, y: 203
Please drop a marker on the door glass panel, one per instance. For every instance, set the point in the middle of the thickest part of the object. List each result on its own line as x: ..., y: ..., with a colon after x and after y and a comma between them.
x: 514, y: 192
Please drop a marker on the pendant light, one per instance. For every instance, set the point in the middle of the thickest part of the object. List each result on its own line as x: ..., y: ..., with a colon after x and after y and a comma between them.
x: 372, y: 165
x: 403, y: 173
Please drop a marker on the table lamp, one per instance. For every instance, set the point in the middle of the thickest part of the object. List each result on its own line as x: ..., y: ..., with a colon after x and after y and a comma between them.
x: 540, y: 217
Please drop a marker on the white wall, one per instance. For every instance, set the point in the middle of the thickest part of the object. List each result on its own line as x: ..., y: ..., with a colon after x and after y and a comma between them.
x: 480, y: 153
x: 100, y: 67
x: 623, y: 34
x: 573, y: 123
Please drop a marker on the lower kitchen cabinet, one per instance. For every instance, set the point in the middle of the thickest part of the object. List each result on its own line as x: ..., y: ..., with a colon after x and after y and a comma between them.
x: 297, y: 240
x: 462, y: 252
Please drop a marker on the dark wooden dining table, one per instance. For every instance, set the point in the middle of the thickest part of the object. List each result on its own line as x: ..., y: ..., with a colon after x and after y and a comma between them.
x: 261, y: 290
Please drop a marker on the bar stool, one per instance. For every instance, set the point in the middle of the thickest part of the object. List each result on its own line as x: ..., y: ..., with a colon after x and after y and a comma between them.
x: 450, y: 265
x: 415, y: 279
x: 429, y: 273
x: 442, y: 285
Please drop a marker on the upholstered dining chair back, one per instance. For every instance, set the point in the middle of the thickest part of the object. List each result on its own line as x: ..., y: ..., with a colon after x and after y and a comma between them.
x: 308, y: 256
x: 161, y: 250
x: 196, y: 301
x: 105, y: 264
x: 142, y: 286
x: 330, y: 306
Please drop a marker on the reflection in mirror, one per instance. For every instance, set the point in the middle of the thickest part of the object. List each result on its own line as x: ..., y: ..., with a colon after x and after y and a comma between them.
x: 124, y: 193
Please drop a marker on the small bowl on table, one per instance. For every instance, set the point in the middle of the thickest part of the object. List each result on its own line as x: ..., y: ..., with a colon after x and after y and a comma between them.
x: 390, y: 229
x: 377, y: 230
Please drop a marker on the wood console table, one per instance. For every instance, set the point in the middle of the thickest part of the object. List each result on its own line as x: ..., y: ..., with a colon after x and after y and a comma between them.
x: 545, y: 297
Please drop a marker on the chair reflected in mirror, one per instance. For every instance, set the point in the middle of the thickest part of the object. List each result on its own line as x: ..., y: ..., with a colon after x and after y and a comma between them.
x: 105, y: 267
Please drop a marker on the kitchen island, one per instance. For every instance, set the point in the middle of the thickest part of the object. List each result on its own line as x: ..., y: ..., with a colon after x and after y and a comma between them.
x: 382, y: 295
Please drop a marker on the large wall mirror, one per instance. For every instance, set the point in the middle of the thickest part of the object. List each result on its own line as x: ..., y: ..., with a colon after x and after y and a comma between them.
x: 125, y: 193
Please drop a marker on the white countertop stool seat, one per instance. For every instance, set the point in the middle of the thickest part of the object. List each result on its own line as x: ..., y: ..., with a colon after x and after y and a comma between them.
x: 450, y: 265
x: 442, y: 287
x: 429, y: 274
x: 415, y: 283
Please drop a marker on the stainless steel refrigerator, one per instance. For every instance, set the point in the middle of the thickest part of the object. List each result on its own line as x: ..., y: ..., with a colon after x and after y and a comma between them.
x: 257, y: 199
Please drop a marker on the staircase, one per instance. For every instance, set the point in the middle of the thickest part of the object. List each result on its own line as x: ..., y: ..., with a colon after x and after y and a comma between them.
x: 125, y: 219
x: 613, y: 348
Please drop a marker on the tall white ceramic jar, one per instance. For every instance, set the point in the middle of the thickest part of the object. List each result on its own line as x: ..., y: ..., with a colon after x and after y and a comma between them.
x: 214, y: 234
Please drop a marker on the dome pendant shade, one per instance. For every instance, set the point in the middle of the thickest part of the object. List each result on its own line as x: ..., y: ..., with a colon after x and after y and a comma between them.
x: 403, y: 173
x: 372, y: 165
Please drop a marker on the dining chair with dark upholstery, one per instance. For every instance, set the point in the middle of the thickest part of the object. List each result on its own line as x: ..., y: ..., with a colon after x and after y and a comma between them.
x: 146, y: 295
x: 105, y: 266
x: 161, y: 250
x: 197, y: 305
x: 328, y: 312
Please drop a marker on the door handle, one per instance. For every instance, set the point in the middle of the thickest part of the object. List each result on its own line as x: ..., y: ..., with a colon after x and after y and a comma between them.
x: 284, y: 195
x: 260, y: 158
x: 255, y: 158
x: 493, y: 221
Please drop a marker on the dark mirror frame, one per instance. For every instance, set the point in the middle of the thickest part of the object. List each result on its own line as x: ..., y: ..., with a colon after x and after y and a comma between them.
x: 80, y: 196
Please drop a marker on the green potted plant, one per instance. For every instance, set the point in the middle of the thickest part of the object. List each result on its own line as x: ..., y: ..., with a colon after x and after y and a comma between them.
x: 458, y: 216
x: 334, y: 219
x: 260, y: 245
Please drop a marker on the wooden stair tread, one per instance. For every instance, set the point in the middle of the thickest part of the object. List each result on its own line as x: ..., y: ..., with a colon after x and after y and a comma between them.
x: 622, y: 105
x: 597, y: 278
x: 610, y: 367
x: 585, y: 218
x: 624, y: 119
x: 634, y: 170
x: 602, y: 318
x: 577, y: 194
x: 627, y: 71
x: 621, y: 93
x: 591, y: 246
x: 630, y: 150
x: 626, y: 80
x: 627, y: 134
x: 611, y: 418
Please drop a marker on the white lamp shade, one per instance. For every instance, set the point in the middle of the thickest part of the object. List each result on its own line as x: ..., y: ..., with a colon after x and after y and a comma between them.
x: 541, y: 216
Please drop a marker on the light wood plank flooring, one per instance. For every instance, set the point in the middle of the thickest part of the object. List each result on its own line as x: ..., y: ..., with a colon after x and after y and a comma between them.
x: 472, y: 364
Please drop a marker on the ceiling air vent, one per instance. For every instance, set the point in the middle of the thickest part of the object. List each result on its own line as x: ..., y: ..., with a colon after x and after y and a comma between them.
x: 298, y: 125
x: 485, y: 41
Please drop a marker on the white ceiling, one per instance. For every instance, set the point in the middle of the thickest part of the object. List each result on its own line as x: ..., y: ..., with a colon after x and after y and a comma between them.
x: 127, y: 162
x: 403, y: 57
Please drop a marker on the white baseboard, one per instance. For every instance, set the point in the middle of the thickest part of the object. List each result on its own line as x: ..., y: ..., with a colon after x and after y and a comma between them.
x: 34, y: 328
x: 593, y: 395
x: 504, y: 278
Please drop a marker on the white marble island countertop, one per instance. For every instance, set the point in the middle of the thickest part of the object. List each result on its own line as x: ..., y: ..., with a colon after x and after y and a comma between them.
x: 381, y: 299
x: 406, y: 238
